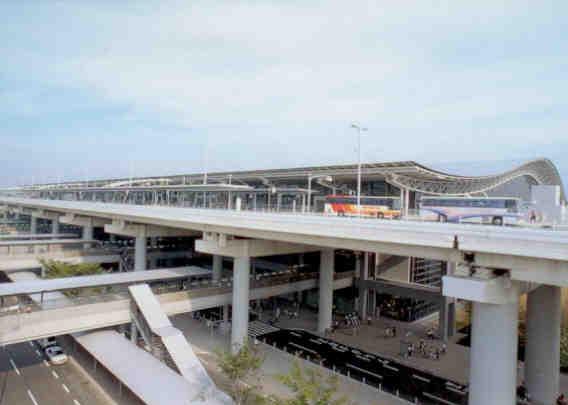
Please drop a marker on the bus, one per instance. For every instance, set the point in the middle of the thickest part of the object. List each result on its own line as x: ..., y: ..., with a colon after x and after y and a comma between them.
x: 375, y: 207
x: 492, y: 210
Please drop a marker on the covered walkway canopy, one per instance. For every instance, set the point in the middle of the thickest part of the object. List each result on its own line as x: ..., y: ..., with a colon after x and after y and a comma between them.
x: 111, y: 279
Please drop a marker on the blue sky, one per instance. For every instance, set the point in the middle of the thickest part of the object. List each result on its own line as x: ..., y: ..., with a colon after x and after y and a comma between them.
x: 103, y: 88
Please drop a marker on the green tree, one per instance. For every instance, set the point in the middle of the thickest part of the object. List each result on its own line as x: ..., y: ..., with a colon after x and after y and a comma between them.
x: 309, y: 387
x: 241, y: 369
x: 56, y: 269
x: 564, y: 347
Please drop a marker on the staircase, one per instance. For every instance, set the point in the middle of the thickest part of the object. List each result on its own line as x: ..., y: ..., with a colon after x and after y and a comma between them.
x: 170, y: 345
x: 389, y: 263
x: 126, y: 260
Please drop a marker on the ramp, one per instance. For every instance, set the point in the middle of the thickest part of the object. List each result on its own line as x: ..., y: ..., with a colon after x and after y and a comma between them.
x: 181, y: 353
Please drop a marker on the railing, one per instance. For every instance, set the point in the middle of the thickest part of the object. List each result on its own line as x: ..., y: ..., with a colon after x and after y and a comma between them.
x: 62, y: 252
x: 412, y: 215
x: 194, y: 289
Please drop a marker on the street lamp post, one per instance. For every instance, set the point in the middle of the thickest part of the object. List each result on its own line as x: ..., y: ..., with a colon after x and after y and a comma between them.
x: 359, y: 130
x: 310, y: 178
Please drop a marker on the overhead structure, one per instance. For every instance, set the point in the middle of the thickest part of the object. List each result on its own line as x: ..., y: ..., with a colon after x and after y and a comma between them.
x: 406, y: 175
x: 429, y: 181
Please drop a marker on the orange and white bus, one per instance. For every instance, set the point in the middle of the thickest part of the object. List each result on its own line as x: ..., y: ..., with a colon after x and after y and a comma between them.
x: 375, y: 207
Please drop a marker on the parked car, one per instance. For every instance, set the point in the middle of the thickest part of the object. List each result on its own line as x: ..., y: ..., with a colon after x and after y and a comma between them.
x: 55, y: 355
x: 47, y: 342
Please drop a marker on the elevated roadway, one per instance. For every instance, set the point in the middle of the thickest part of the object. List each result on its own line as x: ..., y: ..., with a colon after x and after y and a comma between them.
x: 521, y: 250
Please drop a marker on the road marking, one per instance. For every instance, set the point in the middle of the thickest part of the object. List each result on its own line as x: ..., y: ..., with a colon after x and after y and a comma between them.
x: 32, y: 397
x: 14, y: 366
x: 54, y: 374
x: 76, y: 402
x: 38, y: 353
x: 65, y: 388
x: 46, y: 363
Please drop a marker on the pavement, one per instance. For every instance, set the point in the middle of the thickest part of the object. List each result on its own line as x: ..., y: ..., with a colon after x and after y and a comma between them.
x: 454, y: 365
x: 206, y: 342
x: 26, y: 378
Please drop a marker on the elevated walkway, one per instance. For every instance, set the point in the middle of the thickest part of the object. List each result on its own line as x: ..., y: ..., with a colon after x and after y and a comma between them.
x: 15, y: 263
x: 37, y: 236
x: 181, y: 353
x: 70, y: 315
x: 410, y: 290
x: 152, y: 381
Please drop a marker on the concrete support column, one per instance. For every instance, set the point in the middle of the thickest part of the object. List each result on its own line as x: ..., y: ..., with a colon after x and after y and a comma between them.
x: 217, y: 267
x: 493, y: 355
x: 87, y: 235
x: 241, y: 273
x: 33, y: 225
x: 140, y: 248
x: 363, y: 292
x: 133, y: 333
x: 325, y: 305
x: 542, y: 359
x: 225, y: 313
x: 447, y: 318
x: 55, y: 226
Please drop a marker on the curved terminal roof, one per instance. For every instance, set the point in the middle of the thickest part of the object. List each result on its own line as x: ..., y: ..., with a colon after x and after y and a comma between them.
x: 406, y: 174
x: 540, y: 171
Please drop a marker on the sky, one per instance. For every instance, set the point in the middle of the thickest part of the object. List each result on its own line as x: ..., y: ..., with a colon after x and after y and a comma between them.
x: 101, y: 88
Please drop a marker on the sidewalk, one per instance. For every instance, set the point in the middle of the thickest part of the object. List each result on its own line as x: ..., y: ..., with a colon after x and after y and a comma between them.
x: 454, y: 365
x: 276, y: 363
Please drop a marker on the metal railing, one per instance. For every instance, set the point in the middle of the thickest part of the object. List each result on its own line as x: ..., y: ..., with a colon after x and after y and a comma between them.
x: 194, y: 289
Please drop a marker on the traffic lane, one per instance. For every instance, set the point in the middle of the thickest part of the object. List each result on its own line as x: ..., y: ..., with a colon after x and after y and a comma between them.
x: 390, y: 375
x: 40, y: 377
x: 13, y: 390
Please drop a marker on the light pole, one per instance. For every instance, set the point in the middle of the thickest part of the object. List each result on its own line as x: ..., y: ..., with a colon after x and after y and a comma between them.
x: 359, y: 130
x: 310, y: 178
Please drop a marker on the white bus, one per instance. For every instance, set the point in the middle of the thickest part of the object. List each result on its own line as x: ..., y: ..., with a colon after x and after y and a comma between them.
x: 485, y: 210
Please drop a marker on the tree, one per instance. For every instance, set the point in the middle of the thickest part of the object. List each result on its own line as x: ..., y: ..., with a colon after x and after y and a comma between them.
x: 241, y: 369
x: 564, y: 348
x: 310, y: 388
x: 57, y: 269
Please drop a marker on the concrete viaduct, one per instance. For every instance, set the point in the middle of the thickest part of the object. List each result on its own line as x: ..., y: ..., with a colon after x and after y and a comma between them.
x: 494, y: 266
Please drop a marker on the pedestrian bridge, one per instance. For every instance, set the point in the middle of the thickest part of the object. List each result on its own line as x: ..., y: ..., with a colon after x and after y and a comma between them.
x: 111, y: 306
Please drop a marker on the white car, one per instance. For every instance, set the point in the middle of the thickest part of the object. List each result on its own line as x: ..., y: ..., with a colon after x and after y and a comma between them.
x: 45, y: 343
x: 55, y: 355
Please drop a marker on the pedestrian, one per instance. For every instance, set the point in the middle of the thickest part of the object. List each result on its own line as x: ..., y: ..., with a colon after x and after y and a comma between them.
x: 561, y: 400
x: 444, y: 348
x: 430, y: 334
x: 522, y: 392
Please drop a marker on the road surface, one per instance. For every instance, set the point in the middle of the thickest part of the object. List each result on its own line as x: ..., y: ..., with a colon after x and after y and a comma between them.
x: 26, y: 378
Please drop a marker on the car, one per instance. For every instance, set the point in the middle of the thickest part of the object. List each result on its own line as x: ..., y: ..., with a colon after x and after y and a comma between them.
x: 55, y: 355
x: 47, y: 342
